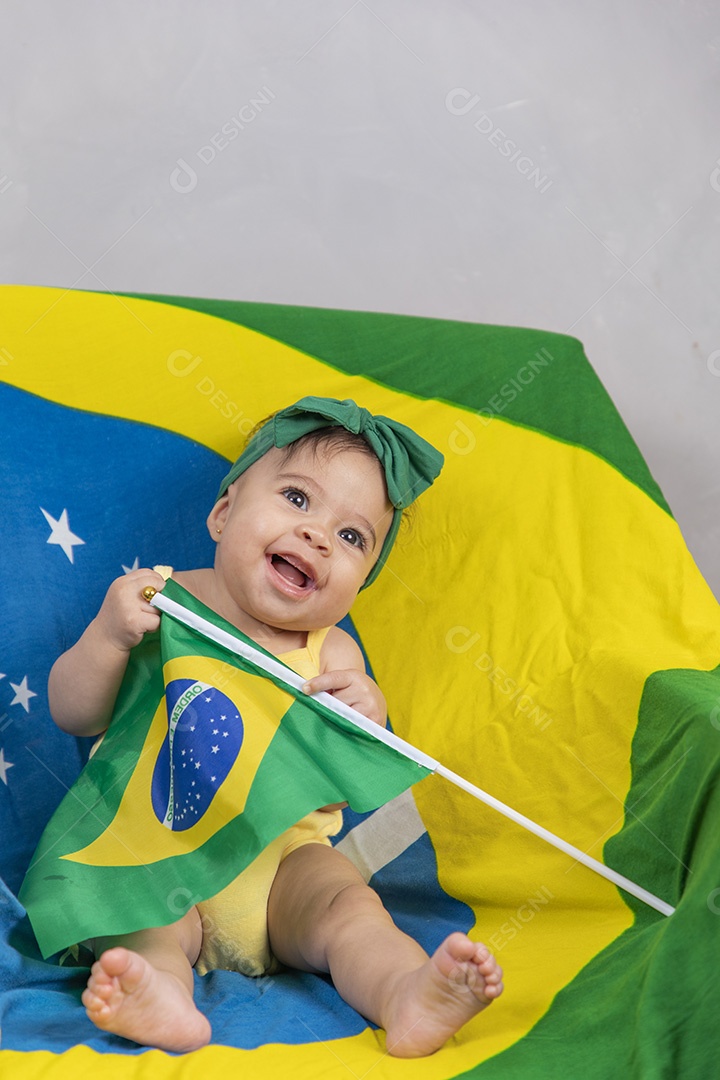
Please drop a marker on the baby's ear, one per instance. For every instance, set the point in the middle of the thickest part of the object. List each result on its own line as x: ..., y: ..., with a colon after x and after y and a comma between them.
x: 217, y: 517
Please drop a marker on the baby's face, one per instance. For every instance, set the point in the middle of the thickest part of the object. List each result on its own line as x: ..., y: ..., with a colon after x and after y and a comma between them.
x: 300, y: 536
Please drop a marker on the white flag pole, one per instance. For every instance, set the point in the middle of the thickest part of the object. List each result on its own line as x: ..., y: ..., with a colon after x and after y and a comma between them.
x: 291, y: 679
x: 287, y: 676
x: 557, y: 841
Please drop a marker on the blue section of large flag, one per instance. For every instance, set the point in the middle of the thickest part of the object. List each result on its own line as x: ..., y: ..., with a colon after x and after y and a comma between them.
x: 75, y: 467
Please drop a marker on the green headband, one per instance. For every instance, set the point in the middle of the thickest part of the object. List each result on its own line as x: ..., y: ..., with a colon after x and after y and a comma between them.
x: 409, y: 462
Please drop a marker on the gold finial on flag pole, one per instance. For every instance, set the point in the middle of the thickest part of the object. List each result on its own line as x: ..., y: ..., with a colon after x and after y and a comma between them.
x: 148, y: 593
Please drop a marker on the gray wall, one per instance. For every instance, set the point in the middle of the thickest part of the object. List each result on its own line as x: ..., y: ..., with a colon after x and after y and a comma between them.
x: 551, y: 164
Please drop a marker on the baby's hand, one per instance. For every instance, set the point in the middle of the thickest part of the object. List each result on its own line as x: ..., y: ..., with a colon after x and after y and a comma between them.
x: 125, y: 617
x: 355, y: 689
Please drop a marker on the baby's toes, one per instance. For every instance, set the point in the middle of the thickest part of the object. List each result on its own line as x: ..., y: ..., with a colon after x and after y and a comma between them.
x: 91, y: 1001
x: 99, y: 976
x: 492, y: 990
x: 486, y: 963
x: 101, y: 988
x: 491, y: 973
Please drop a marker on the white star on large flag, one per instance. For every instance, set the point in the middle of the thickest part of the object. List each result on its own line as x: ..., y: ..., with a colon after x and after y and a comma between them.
x: 4, y: 766
x: 61, y: 533
x: 129, y: 569
x: 22, y: 694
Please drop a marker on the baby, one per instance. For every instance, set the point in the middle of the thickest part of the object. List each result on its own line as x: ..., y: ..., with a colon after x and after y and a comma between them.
x: 303, y: 521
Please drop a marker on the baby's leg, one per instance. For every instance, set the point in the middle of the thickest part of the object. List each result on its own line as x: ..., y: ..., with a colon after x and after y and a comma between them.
x: 323, y: 917
x: 141, y: 986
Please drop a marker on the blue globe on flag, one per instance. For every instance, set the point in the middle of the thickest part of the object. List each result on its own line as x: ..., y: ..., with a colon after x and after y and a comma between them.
x: 205, y: 733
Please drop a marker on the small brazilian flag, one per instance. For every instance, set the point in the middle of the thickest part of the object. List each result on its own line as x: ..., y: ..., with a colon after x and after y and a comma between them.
x: 207, y: 760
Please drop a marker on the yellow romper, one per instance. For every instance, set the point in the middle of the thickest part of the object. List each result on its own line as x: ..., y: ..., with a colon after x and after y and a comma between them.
x: 235, y: 935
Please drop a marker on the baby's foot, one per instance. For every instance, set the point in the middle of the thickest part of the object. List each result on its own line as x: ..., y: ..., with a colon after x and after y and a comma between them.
x: 129, y: 997
x: 432, y: 1003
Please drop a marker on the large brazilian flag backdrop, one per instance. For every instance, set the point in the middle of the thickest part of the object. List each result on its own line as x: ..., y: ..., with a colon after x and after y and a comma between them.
x: 541, y: 629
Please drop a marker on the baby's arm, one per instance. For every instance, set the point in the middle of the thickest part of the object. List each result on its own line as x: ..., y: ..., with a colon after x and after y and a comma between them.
x: 85, y: 680
x: 342, y: 674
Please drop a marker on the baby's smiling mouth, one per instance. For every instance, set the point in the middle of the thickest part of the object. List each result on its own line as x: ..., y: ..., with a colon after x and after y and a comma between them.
x: 294, y: 571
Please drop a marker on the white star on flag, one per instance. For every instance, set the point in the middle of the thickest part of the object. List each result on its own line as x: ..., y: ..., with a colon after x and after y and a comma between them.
x: 129, y: 569
x: 4, y: 766
x: 22, y: 694
x: 61, y: 533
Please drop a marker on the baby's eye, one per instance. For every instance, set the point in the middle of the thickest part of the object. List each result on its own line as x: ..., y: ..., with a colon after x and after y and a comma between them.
x: 297, y: 498
x: 352, y: 536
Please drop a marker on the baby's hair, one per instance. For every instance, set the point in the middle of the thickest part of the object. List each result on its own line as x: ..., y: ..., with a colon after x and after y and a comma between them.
x: 331, y: 438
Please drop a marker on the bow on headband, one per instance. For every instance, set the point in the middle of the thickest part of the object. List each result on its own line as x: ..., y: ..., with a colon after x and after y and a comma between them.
x: 410, y: 464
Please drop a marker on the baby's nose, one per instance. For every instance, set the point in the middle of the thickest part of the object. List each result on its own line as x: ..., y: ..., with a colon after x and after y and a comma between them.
x: 315, y: 533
